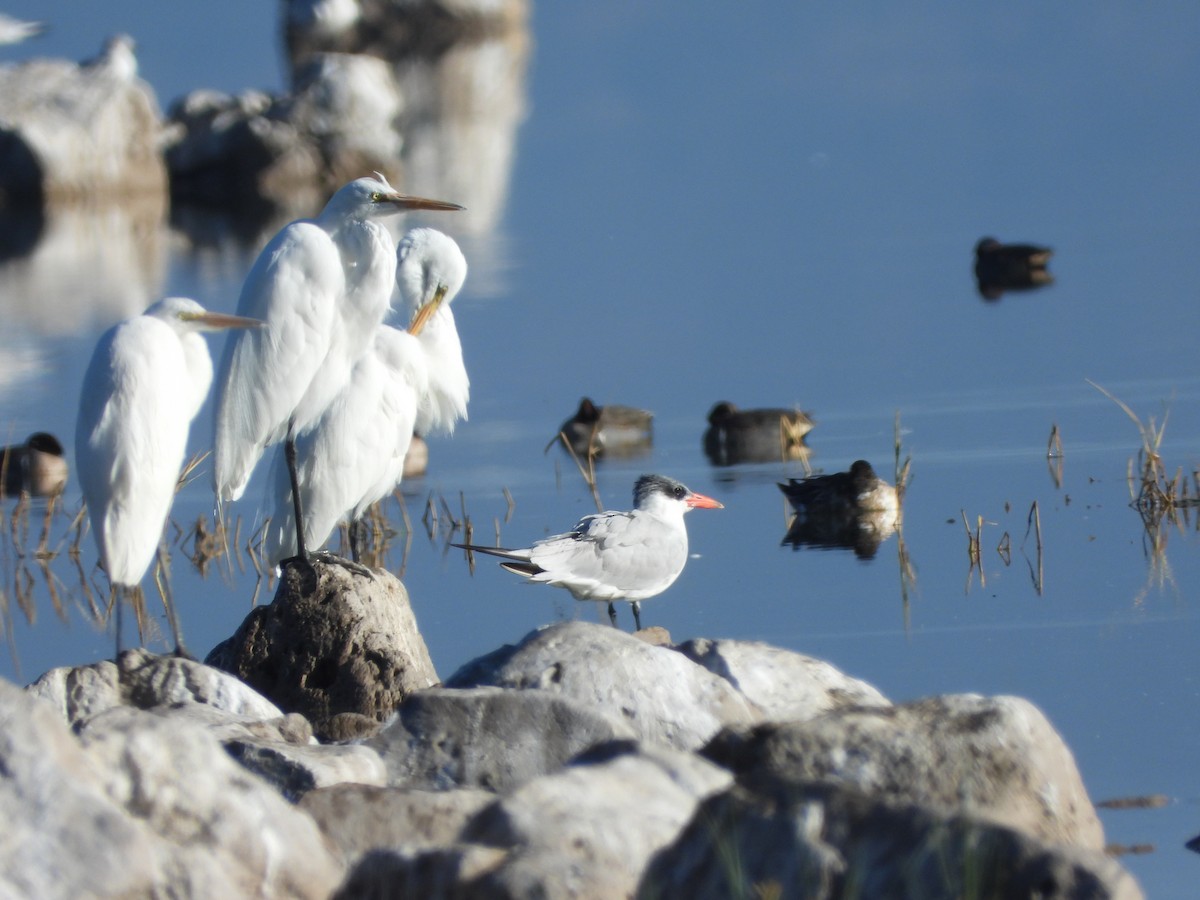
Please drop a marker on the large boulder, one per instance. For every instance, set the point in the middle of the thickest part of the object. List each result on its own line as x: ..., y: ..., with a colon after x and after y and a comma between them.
x: 487, y: 737
x: 347, y: 643
x: 71, y: 131
x: 785, y: 685
x: 143, y: 805
x: 663, y: 696
x: 997, y: 759
x: 827, y: 841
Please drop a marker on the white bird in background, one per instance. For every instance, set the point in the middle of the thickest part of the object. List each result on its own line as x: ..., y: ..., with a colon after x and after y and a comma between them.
x: 354, y: 454
x: 628, y: 556
x: 147, y: 379
x: 323, y: 287
x: 13, y: 31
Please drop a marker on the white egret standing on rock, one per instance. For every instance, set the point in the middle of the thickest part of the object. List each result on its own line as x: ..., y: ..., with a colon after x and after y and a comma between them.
x: 147, y: 379
x: 354, y: 454
x: 323, y: 287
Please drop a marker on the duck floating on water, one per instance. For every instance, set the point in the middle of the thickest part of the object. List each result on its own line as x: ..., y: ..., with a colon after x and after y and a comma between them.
x: 771, y: 434
x: 1010, y: 267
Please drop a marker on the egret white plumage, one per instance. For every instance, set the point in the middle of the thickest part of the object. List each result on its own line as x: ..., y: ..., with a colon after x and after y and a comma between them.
x: 13, y: 31
x: 147, y: 379
x: 628, y: 556
x: 323, y: 288
x: 430, y: 272
x: 354, y: 453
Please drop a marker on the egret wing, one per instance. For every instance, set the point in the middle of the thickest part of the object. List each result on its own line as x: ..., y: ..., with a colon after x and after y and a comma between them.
x: 294, y: 286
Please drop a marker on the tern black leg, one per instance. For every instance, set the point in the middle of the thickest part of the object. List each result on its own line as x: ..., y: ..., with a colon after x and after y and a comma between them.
x: 612, y: 614
x: 637, y: 616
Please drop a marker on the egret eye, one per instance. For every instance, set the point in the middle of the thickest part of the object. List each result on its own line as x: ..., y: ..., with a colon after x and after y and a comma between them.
x: 376, y: 196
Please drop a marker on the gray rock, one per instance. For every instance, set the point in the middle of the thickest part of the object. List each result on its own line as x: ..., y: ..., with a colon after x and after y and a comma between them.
x: 143, y: 680
x: 662, y: 695
x: 585, y: 831
x: 64, y: 836
x: 783, y: 684
x: 230, y: 834
x: 239, y: 151
x: 69, y: 131
x: 348, y: 106
x: 824, y: 841
x: 358, y: 818
x: 994, y: 758
x: 295, y: 770
x: 591, y: 829
x: 487, y: 737
x: 348, y: 644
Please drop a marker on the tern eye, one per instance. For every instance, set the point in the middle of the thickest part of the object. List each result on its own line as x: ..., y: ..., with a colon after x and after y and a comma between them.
x: 679, y: 492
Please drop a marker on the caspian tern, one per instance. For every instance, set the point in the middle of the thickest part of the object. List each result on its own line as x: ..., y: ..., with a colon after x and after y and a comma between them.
x: 628, y: 556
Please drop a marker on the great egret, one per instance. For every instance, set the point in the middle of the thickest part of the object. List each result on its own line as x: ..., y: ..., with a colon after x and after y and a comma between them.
x: 430, y: 264
x: 147, y: 379
x: 628, y: 556
x: 354, y: 453
x: 323, y: 288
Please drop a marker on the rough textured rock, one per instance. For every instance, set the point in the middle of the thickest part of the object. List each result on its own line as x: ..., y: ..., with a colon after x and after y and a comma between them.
x: 823, y: 841
x: 230, y: 833
x: 663, y: 696
x: 349, y: 643
x: 234, y: 150
x: 143, y: 680
x: 70, y: 131
x: 359, y: 818
x: 348, y: 106
x: 993, y: 758
x: 296, y: 769
x: 783, y: 684
x: 391, y: 30
x: 569, y: 834
x: 487, y: 737
x: 64, y: 835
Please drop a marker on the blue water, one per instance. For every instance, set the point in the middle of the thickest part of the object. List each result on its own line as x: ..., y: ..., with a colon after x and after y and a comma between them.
x: 777, y: 207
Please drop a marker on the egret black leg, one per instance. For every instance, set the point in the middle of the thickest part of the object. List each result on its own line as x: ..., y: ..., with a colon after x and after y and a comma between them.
x: 118, y: 599
x: 612, y: 614
x: 637, y: 616
x: 355, y: 538
x: 289, y: 454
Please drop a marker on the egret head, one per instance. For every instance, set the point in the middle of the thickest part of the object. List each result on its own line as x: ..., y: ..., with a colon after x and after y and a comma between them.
x: 372, y: 197
x: 185, y: 314
x: 431, y: 270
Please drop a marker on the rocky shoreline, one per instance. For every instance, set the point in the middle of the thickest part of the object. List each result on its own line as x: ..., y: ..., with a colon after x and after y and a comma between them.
x: 581, y: 762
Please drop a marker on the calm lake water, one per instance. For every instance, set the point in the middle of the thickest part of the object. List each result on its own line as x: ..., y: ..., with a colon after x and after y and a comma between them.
x: 775, y: 209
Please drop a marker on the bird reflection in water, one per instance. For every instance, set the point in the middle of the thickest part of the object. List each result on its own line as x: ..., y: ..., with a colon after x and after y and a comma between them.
x: 1010, y: 267
x: 856, y: 510
x: 610, y: 430
x: 756, y: 435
